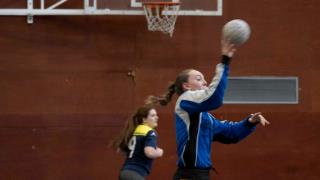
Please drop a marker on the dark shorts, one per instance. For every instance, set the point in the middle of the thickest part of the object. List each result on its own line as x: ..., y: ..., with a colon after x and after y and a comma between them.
x: 130, y: 175
x: 191, y: 174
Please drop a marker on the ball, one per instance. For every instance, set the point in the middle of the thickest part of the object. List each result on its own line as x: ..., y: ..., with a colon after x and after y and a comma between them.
x: 237, y: 31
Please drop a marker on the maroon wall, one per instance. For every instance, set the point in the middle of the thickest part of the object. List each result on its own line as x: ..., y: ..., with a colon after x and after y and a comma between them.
x: 65, y: 90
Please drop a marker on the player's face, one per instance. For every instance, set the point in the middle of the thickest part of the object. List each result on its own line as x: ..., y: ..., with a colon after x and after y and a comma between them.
x: 152, y: 119
x: 196, y: 81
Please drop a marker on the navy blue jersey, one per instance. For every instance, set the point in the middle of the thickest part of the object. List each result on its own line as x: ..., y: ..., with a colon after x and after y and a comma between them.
x: 196, y: 129
x: 136, y: 159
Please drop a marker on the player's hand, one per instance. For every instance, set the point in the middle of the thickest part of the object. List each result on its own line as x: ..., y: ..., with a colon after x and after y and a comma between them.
x: 227, y: 48
x: 257, y: 118
x: 159, y: 151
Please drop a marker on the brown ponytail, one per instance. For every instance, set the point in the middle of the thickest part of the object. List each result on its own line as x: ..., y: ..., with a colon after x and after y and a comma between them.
x: 164, y: 99
x: 121, y: 142
x: 176, y: 87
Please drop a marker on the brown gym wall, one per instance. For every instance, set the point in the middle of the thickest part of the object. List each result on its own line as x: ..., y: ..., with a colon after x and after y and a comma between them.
x: 65, y: 90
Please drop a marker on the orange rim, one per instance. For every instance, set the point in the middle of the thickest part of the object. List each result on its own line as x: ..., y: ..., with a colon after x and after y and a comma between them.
x: 152, y: 4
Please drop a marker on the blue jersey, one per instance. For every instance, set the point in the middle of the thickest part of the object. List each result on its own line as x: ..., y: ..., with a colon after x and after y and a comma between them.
x: 196, y: 129
x: 136, y: 159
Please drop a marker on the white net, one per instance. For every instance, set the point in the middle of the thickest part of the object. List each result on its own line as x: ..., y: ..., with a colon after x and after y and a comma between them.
x: 161, y: 16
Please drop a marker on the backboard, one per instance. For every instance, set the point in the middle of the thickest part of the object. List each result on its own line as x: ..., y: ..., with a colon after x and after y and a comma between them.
x: 105, y: 7
x: 188, y: 7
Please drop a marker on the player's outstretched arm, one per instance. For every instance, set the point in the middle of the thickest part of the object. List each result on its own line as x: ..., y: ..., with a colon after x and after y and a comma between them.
x: 257, y: 118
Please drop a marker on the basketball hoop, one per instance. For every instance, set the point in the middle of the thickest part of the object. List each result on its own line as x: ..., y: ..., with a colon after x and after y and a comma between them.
x: 161, y: 16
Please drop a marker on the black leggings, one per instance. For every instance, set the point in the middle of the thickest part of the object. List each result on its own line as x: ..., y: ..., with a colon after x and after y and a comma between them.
x: 192, y: 174
x: 130, y: 175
